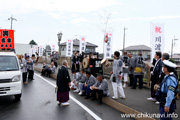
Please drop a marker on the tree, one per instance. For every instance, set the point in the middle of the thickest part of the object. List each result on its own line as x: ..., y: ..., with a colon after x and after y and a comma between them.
x: 104, y: 20
x: 32, y: 42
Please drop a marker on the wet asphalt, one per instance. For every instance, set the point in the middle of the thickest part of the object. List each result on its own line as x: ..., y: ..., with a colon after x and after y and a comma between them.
x: 38, y: 102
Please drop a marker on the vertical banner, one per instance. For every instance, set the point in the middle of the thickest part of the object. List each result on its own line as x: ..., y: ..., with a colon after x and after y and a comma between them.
x: 107, y: 45
x: 40, y: 50
x: 31, y: 52
x: 36, y: 49
x: 69, y: 48
x: 82, y: 46
x: 157, y: 38
x: 53, y: 47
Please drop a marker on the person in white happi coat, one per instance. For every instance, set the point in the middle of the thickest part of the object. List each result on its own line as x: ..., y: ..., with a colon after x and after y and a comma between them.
x: 125, y: 71
x: 76, y: 75
x: 116, y: 77
x: 24, y: 69
x: 80, y: 81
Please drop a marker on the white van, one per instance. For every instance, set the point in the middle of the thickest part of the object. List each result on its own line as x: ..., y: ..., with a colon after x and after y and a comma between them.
x: 10, y: 75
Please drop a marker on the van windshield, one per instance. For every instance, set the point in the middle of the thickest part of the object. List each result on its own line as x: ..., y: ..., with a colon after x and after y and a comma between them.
x: 8, y: 63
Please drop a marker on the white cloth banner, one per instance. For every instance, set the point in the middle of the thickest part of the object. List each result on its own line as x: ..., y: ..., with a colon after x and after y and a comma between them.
x: 157, y: 38
x: 82, y: 46
x: 31, y: 51
x: 53, y: 47
x: 35, y: 49
x: 108, y: 45
x: 69, y: 48
x: 40, y: 50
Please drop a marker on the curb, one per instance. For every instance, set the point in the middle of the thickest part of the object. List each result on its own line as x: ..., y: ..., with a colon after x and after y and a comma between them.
x: 112, y: 103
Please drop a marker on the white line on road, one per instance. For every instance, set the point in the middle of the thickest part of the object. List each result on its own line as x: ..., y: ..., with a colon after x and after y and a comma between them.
x: 75, y: 100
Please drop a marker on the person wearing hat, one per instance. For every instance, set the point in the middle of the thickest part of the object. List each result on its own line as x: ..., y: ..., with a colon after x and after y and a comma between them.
x: 167, y: 91
x: 165, y: 56
x: 138, y: 72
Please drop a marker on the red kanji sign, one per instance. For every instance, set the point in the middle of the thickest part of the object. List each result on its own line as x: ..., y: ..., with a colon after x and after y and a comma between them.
x: 158, y: 29
x: 83, y: 39
x: 109, y: 34
x: 6, y: 39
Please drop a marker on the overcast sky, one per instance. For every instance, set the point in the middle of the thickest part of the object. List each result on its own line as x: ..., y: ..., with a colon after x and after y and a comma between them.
x: 41, y: 20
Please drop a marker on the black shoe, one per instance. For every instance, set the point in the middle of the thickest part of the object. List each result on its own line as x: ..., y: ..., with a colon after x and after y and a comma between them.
x: 140, y: 88
x: 87, y: 97
x: 133, y: 88
x: 99, y: 103
x: 93, y: 99
x: 83, y: 94
x: 130, y: 85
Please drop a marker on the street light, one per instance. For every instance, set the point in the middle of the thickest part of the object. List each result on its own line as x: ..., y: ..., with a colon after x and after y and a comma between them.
x: 124, y: 39
x: 173, y: 42
x: 59, y: 35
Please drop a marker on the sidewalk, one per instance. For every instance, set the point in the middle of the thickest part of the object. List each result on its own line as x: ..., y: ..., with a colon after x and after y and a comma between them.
x: 135, y: 102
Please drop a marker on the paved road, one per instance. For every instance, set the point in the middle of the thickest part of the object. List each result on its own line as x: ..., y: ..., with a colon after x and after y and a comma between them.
x: 39, y: 103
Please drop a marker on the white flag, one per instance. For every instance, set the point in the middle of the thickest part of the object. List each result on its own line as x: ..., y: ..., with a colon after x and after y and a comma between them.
x: 53, y: 47
x: 82, y: 45
x: 157, y: 38
x: 40, y: 50
x: 69, y: 48
x: 108, y: 45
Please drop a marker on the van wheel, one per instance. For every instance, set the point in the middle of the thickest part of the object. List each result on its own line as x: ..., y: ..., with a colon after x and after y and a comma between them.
x: 17, y: 97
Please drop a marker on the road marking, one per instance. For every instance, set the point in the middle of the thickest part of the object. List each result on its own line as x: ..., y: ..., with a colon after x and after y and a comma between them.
x: 75, y: 100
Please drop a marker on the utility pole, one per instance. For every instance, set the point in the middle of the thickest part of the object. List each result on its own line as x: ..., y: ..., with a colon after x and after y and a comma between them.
x: 173, y: 42
x: 124, y: 38
x: 11, y: 18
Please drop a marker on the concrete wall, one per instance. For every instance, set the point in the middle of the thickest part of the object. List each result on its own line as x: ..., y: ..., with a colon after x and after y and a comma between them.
x: 21, y: 49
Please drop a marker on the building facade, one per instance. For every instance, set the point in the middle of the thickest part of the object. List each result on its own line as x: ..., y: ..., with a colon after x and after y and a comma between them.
x: 146, y: 51
x: 176, y: 58
x: 21, y: 49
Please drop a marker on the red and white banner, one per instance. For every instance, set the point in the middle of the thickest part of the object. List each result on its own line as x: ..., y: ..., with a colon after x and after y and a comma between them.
x: 53, y: 48
x: 108, y: 45
x: 69, y: 48
x: 31, y: 51
x: 36, y: 49
x: 157, y: 38
x: 82, y: 44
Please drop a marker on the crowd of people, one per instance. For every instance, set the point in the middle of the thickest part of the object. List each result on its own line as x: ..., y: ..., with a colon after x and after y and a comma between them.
x: 47, y: 70
x: 164, y: 79
x: 28, y: 67
x: 163, y: 75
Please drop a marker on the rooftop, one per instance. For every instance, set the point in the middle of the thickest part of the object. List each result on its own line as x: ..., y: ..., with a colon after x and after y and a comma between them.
x: 176, y: 56
x: 137, y: 47
x: 76, y: 43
